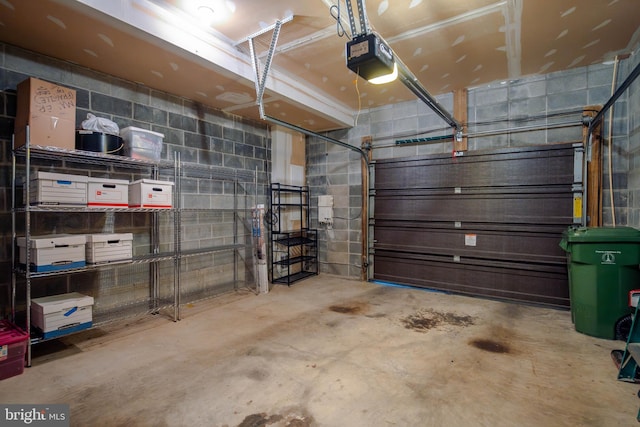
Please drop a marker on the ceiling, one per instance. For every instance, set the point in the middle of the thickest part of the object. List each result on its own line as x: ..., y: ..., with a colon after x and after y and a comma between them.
x: 447, y: 44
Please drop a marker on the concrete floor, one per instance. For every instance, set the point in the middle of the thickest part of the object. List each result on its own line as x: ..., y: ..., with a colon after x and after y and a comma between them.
x: 333, y: 352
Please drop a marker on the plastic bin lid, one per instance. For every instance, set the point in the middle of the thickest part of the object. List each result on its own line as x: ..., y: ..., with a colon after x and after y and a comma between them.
x: 11, y: 334
x: 602, y: 234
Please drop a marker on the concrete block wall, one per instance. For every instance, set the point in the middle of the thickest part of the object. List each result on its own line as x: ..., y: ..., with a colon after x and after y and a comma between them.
x: 334, y: 170
x: 200, y: 134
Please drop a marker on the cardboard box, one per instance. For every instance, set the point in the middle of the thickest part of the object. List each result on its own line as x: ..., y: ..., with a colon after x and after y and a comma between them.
x: 58, y: 189
x: 141, y: 143
x: 62, y: 314
x: 54, y: 252
x: 103, y: 192
x: 50, y: 112
x: 13, y: 345
x: 148, y: 193
x: 105, y: 248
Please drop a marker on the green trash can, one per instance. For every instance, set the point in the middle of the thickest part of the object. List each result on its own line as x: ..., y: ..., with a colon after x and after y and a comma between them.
x: 603, y: 265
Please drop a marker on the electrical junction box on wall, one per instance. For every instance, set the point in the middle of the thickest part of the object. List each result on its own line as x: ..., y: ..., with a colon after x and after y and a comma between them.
x: 369, y: 57
x: 325, y: 210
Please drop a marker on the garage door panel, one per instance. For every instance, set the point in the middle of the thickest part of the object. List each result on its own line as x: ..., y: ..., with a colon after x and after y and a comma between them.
x: 541, y: 247
x: 545, y: 286
x: 510, y: 208
x: 528, y: 168
x: 471, y: 191
x: 485, y: 224
x: 550, y: 228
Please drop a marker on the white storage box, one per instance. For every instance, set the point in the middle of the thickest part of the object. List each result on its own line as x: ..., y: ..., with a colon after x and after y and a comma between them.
x: 147, y: 193
x: 54, y: 252
x: 62, y: 314
x: 141, y: 143
x: 58, y: 189
x: 103, y: 248
x: 103, y: 192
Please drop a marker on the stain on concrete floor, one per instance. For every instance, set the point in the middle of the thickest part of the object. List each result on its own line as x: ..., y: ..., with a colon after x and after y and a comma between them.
x: 490, y: 346
x: 351, y: 308
x: 277, y: 420
x: 259, y: 420
x: 425, y: 320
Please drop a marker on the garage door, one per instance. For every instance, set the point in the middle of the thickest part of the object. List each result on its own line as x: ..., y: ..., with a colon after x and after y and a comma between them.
x: 485, y: 224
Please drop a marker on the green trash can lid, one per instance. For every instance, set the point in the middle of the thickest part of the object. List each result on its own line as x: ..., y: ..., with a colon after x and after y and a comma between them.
x: 601, y: 234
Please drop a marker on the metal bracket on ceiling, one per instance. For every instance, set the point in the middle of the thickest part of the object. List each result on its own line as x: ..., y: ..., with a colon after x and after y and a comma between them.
x: 362, y: 14
x: 261, y: 78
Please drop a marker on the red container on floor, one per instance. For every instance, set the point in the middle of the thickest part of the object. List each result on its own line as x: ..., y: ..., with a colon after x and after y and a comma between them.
x: 13, y: 345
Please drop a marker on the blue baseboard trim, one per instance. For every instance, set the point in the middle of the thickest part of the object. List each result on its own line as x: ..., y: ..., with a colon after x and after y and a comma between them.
x: 418, y: 288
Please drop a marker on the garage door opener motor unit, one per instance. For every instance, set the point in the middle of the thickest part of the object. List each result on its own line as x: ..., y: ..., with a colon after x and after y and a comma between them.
x: 369, y: 56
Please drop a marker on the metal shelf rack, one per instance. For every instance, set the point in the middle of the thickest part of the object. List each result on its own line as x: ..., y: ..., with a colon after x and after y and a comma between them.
x: 294, y: 247
x: 76, y: 159
x: 165, y: 230
x: 231, y: 237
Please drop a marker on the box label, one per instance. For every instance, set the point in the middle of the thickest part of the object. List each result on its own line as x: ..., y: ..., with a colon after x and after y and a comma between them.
x: 53, y: 99
x: 608, y: 257
x: 577, y: 207
x: 109, y: 195
x: 470, y: 239
x: 359, y: 49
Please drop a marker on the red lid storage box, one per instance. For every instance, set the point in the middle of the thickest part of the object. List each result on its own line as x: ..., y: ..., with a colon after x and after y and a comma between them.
x: 13, y: 345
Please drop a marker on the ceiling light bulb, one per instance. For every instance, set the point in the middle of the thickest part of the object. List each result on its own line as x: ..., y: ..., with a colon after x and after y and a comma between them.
x: 210, y: 12
x: 386, y: 78
x: 206, y: 14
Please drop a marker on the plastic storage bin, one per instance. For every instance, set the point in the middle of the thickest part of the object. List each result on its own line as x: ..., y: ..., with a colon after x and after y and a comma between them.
x: 603, y: 267
x: 13, y: 345
x: 141, y: 143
